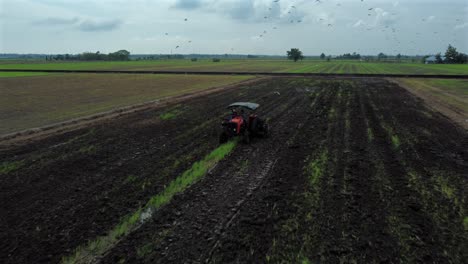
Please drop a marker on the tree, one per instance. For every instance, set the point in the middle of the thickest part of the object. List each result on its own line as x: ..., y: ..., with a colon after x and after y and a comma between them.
x: 121, y: 55
x: 438, y: 58
x: 423, y: 59
x: 322, y: 56
x: 295, y: 54
x: 349, y: 56
x: 462, y: 58
x: 451, y: 54
x: 398, y: 57
x: 381, y: 56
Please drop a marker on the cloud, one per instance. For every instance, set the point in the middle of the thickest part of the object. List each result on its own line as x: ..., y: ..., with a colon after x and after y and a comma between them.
x: 325, y: 18
x: 57, y: 21
x: 244, y: 10
x: 384, y: 18
x: 359, y: 23
x: 188, y: 4
x: 464, y: 25
x: 256, y: 11
x: 103, y: 25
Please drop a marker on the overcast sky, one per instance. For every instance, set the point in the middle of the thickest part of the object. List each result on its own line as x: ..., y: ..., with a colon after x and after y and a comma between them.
x: 233, y: 26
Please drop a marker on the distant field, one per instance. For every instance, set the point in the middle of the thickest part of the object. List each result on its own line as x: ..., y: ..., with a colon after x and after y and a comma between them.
x: 453, y: 92
x: 177, y: 65
x: 21, y: 74
x: 27, y: 102
x: 272, y: 65
x: 381, y: 68
x: 448, y: 96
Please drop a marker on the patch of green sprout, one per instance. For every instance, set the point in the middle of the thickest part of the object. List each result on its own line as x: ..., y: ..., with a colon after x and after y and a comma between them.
x: 10, y: 166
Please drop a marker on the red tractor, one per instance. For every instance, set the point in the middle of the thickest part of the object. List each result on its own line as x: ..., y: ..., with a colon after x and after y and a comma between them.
x: 242, y: 124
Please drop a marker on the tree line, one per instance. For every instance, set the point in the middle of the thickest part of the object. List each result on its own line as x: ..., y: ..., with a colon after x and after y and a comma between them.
x: 121, y: 55
x: 452, y: 56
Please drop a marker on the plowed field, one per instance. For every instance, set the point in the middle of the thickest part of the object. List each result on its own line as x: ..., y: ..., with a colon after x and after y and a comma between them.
x: 355, y: 171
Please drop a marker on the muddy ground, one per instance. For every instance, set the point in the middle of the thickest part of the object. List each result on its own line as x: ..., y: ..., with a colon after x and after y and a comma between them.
x: 355, y: 171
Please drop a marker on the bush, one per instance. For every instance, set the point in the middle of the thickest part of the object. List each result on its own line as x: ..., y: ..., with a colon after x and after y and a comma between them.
x: 216, y: 60
x: 193, y: 59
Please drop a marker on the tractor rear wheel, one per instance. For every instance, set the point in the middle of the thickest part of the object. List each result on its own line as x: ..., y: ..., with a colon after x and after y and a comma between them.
x: 223, y: 138
x: 266, y: 131
x: 246, y: 137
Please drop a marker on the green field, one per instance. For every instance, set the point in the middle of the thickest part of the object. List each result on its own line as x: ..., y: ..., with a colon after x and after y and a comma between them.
x: 253, y: 65
x: 27, y: 102
x: 21, y: 74
x: 453, y: 93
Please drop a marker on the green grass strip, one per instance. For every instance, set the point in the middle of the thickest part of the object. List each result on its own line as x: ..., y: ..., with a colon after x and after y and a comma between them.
x: 100, y: 245
x: 21, y: 74
x: 370, y: 134
x: 395, y: 141
x: 317, y: 168
x: 7, y: 167
x: 170, y: 115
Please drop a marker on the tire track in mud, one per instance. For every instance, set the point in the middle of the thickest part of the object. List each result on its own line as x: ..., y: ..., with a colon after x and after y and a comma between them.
x: 259, y: 180
x: 253, y: 231
x: 223, y: 194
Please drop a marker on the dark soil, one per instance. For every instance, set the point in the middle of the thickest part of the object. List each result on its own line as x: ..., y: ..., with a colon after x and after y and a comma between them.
x: 392, y: 187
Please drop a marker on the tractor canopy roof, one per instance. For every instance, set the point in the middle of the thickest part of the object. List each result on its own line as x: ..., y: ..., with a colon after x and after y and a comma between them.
x: 248, y: 105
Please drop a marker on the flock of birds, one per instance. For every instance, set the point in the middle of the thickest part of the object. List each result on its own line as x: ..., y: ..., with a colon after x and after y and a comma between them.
x: 293, y: 17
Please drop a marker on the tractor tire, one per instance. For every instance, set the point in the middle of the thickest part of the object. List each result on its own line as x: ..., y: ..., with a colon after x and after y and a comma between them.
x: 254, y: 127
x: 246, y: 137
x: 266, y: 131
x: 223, y: 138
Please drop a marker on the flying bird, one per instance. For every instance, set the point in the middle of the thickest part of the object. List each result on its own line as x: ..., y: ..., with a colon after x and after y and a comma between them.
x: 177, y: 47
x: 370, y: 8
x: 185, y: 19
